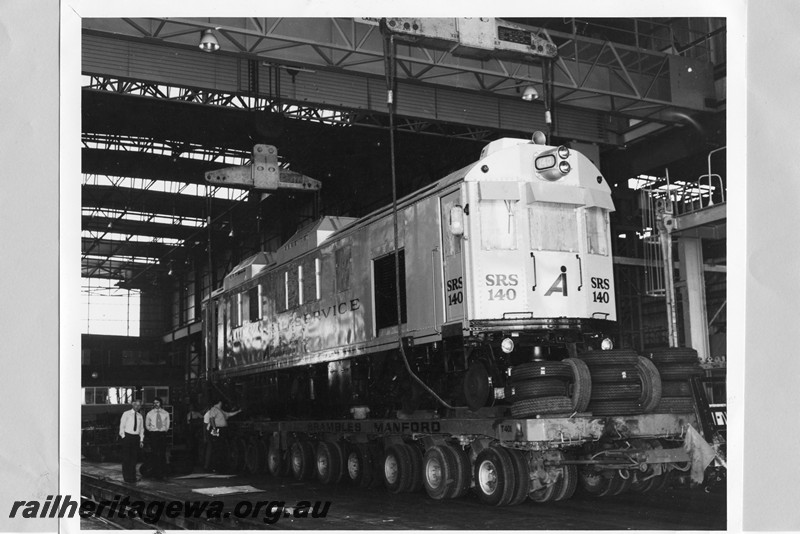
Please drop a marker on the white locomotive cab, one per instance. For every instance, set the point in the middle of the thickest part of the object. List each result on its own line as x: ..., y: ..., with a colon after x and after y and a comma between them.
x: 537, y: 243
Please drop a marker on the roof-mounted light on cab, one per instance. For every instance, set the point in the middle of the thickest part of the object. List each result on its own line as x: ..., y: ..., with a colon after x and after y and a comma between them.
x: 552, y: 164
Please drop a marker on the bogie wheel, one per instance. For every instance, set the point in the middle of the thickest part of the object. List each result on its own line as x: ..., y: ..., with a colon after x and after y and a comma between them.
x: 397, y: 467
x: 522, y: 476
x: 642, y: 481
x: 302, y: 459
x: 359, y: 465
x: 329, y: 462
x: 439, y: 466
x: 278, y: 463
x: 494, y: 476
x: 477, y: 385
x: 463, y: 472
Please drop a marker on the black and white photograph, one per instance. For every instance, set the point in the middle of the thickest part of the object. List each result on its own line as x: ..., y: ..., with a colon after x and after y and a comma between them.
x: 461, y: 269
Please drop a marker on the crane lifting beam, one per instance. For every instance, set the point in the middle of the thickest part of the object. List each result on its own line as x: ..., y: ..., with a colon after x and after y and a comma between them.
x: 263, y: 174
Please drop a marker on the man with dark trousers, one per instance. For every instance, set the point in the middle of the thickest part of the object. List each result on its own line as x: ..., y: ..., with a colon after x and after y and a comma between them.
x: 157, y: 423
x: 131, y: 430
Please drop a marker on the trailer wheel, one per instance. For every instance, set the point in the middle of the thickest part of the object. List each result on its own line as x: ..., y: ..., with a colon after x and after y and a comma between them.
x: 416, y: 467
x: 494, y: 476
x: 542, y: 405
x: 477, y: 385
x: 566, y: 485
x: 581, y: 384
x: 302, y: 460
x: 439, y: 466
x: 532, y: 370
x: 329, y: 462
x: 463, y: 472
x: 397, y: 468
x: 522, y: 476
x: 531, y: 389
x: 360, y: 465
x: 254, y: 456
x: 620, y: 483
x: 277, y: 462
x: 263, y: 450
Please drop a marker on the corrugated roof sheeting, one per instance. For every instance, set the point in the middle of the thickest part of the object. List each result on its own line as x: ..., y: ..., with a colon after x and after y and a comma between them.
x: 142, y: 61
x: 327, y: 88
x: 177, y: 66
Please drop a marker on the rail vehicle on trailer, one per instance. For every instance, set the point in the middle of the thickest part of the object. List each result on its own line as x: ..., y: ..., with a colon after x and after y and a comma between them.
x: 457, y: 339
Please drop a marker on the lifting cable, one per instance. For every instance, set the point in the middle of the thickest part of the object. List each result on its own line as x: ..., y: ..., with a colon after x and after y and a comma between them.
x: 390, y: 68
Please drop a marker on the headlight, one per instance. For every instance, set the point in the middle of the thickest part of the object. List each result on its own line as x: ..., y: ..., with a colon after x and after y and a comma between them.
x: 607, y: 344
x: 564, y: 167
x: 563, y: 152
x: 507, y: 345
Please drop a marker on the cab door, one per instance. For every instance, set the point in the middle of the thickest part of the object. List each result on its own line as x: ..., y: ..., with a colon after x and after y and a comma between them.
x: 452, y: 261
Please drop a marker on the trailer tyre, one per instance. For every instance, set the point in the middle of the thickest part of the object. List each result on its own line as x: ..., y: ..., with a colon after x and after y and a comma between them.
x: 536, y: 370
x: 566, y: 485
x: 522, y: 476
x: 616, y: 391
x: 532, y: 389
x: 278, y: 463
x: 359, y: 466
x: 651, y: 384
x: 301, y: 456
x: 439, y: 468
x: 610, y: 357
x: 543, y: 405
x: 494, y: 476
x: 328, y: 462
x: 463, y: 472
x: 581, y: 384
x: 416, y: 475
x: 397, y: 468
x: 615, y: 374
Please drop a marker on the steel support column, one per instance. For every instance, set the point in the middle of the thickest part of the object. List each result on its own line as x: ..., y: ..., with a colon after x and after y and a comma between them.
x: 693, y: 293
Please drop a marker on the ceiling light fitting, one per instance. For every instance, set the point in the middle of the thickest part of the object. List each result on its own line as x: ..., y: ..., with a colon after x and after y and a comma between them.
x: 208, y: 41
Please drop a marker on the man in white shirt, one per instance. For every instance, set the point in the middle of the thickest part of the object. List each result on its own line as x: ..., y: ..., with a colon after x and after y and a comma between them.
x: 157, y: 424
x: 131, y: 430
x: 216, y: 422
